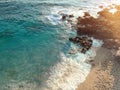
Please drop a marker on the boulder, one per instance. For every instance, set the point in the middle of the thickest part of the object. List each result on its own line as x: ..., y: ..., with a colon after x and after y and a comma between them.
x: 85, y: 42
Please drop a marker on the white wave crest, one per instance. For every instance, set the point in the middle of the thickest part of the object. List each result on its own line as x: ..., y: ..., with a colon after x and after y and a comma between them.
x: 66, y: 74
x: 56, y: 14
x: 70, y: 71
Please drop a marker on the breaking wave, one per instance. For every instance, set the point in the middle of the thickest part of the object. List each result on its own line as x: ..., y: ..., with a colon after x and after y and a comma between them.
x: 72, y: 69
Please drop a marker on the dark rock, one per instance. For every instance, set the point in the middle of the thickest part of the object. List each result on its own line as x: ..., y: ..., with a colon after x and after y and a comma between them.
x: 85, y: 42
x: 83, y: 50
x: 91, y: 61
x: 75, y: 40
x: 105, y: 26
x: 71, y: 16
x: 63, y: 17
x: 86, y: 14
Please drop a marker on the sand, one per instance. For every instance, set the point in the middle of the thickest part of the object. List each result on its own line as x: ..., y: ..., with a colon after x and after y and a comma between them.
x: 105, y: 73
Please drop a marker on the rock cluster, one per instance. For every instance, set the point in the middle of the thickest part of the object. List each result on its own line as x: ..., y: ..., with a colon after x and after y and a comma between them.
x: 85, y: 42
x: 105, y: 27
x: 66, y: 16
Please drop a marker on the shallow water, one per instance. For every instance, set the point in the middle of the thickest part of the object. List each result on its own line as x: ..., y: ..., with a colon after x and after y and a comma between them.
x: 32, y: 38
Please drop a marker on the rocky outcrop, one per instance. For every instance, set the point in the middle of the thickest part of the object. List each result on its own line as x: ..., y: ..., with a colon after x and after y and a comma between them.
x: 105, y: 27
x: 85, y: 42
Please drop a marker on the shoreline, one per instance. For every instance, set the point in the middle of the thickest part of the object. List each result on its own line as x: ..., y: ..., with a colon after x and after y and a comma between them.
x: 105, y: 72
x: 104, y: 75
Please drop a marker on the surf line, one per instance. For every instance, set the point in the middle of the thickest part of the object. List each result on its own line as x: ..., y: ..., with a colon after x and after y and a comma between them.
x: 74, y: 66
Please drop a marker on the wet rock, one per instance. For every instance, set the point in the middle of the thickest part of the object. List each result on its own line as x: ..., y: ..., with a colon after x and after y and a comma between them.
x: 105, y: 26
x: 75, y: 40
x: 86, y: 14
x: 71, y: 16
x: 85, y: 42
x: 64, y: 16
x: 91, y: 61
x: 84, y: 50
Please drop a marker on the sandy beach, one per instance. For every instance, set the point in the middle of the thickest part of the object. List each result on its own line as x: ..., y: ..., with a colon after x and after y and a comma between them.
x: 105, y: 72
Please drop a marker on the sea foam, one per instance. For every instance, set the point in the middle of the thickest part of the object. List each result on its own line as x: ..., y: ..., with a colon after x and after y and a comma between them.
x: 56, y: 13
x: 71, y: 70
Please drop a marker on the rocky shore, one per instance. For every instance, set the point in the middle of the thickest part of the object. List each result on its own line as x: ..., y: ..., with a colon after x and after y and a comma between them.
x: 105, y: 74
x: 104, y: 27
x: 85, y: 42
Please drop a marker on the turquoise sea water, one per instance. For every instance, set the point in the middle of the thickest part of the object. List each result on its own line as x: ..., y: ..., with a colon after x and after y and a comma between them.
x: 28, y: 47
x: 32, y: 38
